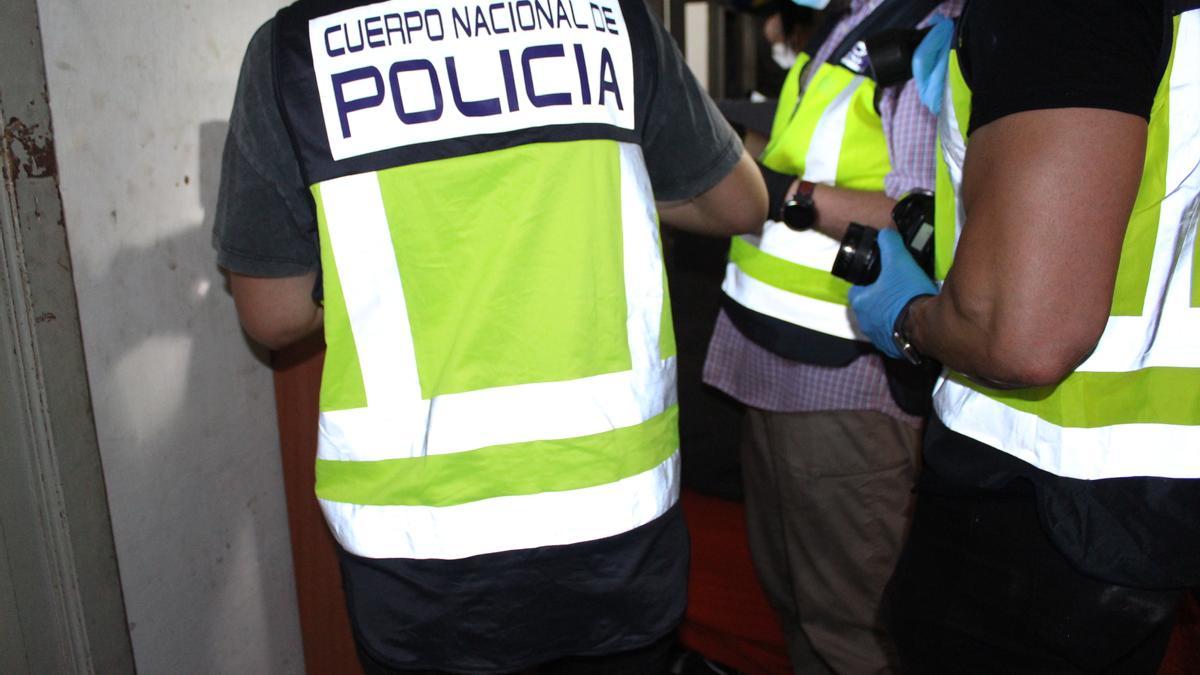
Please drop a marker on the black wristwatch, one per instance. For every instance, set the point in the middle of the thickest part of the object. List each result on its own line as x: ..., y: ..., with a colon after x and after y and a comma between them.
x: 800, y: 213
x: 900, y: 339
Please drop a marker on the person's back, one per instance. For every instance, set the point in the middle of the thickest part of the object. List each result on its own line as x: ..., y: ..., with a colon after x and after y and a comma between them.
x: 498, y: 440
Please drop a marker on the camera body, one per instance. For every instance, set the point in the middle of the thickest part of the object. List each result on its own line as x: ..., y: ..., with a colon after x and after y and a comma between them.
x: 857, y: 259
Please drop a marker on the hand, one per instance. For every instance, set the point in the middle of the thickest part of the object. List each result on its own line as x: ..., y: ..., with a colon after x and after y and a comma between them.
x: 877, y: 305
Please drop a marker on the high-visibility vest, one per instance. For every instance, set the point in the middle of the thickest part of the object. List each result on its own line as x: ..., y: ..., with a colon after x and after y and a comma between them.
x: 829, y: 133
x: 1133, y: 407
x: 500, y: 371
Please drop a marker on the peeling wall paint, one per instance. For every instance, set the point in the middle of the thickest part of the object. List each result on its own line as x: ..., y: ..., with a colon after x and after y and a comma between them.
x: 29, y: 151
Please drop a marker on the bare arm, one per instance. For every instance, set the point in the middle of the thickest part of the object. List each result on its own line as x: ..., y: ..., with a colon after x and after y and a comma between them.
x: 276, y: 312
x: 838, y: 207
x: 735, y: 205
x: 1047, y: 195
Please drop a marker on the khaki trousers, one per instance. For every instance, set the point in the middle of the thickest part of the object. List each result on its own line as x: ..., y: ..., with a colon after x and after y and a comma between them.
x: 828, y: 502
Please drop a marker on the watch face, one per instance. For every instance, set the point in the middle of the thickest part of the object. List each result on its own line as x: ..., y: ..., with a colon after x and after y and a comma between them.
x: 799, y: 213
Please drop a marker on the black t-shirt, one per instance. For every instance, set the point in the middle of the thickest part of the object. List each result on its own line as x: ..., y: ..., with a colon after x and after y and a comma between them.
x: 1023, y: 55
x: 499, y: 612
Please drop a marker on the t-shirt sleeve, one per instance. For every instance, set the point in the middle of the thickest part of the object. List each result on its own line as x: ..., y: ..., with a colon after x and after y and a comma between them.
x: 1021, y: 55
x: 688, y: 145
x: 265, y: 223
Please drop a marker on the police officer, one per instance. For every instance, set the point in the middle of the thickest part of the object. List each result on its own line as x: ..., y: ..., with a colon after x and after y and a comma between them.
x: 829, y: 456
x: 477, y: 184
x: 1056, y: 516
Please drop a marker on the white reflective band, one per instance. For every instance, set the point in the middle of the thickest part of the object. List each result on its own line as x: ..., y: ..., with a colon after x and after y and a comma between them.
x: 366, y: 266
x: 645, y: 289
x: 954, y: 151
x: 825, y: 149
x: 825, y: 317
x: 502, y: 415
x: 809, y: 248
x: 505, y: 523
x: 1117, y: 451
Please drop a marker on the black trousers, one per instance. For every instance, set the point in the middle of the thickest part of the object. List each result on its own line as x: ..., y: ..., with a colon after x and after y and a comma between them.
x: 980, y: 589
x: 653, y: 659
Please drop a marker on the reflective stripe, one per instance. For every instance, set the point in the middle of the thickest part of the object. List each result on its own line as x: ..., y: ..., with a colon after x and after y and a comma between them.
x: 526, y: 468
x: 1185, y: 134
x: 505, y: 523
x: 362, y: 246
x: 1133, y: 407
x: 1156, y: 395
x: 505, y: 415
x: 1166, y: 450
x: 645, y: 276
x: 807, y: 278
x: 825, y: 148
x: 826, y: 317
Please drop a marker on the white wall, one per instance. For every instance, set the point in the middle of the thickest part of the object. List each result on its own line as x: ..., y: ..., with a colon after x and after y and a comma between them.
x: 695, y: 27
x: 140, y: 94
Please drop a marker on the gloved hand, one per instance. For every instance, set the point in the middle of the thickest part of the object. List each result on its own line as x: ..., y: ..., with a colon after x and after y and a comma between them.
x: 930, y: 62
x: 877, y: 305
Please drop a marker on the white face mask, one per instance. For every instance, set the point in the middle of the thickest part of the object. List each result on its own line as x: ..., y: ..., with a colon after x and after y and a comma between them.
x: 814, y: 4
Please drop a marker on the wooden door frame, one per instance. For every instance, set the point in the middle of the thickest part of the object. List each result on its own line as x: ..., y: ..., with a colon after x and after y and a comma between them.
x: 61, y: 606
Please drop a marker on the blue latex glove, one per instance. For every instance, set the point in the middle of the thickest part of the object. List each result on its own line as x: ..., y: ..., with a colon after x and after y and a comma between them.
x: 877, y: 305
x: 930, y: 61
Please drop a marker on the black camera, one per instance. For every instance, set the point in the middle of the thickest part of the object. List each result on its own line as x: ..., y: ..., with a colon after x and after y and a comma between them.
x: 857, y: 259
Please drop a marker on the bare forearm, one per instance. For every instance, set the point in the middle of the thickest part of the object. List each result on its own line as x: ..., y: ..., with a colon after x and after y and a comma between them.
x: 735, y: 205
x: 691, y: 217
x: 998, y: 338
x: 938, y: 329
x: 838, y: 207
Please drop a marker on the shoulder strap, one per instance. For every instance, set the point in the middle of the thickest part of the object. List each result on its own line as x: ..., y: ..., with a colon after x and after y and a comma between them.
x: 889, y: 14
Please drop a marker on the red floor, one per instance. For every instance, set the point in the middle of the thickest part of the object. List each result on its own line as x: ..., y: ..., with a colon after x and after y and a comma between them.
x: 728, y: 618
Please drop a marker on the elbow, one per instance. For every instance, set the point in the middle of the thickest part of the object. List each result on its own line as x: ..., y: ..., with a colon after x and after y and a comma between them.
x: 1029, y: 372
x: 270, y: 337
x: 739, y: 203
x: 276, y: 335
x: 1026, y: 344
x: 1039, y: 360
x: 748, y: 216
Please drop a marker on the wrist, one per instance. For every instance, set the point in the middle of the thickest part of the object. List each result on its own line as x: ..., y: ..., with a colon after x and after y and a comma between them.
x: 799, y: 212
x: 903, y: 327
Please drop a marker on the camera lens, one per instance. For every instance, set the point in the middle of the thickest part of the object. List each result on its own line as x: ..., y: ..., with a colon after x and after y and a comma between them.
x: 858, y: 256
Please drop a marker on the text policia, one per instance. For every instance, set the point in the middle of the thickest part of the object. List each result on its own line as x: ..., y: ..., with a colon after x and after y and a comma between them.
x: 536, y: 30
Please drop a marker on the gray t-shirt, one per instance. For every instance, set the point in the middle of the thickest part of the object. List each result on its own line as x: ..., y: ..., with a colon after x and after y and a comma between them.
x: 266, y: 224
